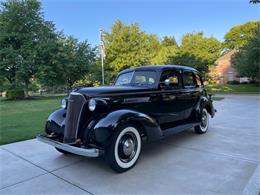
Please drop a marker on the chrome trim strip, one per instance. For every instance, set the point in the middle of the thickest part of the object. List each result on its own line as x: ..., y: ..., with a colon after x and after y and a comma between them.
x: 89, y: 152
x: 76, y: 93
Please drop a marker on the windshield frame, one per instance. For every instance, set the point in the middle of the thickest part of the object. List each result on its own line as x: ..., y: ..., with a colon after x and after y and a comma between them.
x: 154, y: 85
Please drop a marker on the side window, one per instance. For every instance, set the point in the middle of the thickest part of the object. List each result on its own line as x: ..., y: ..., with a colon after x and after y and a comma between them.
x: 170, y: 79
x: 198, y: 80
x: 188, y: 79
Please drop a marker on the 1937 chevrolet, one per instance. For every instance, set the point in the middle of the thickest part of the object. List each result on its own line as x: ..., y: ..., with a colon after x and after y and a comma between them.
x: 145, y: 104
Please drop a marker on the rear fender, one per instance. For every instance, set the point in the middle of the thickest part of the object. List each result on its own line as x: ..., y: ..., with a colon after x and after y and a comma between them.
x: 204, y: 102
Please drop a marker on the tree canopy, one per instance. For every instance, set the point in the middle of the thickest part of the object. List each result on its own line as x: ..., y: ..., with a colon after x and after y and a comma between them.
x: 197, y: 51
x: 22, y: 30
x: 127, y: 46
x: 239, y: 35
x: 247, y: 59
x: 32, y: 49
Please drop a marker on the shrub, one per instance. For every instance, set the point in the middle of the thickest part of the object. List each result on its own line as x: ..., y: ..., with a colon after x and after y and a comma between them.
x: 212, y: 82
x: 86, y: 83
x: 15, y: 94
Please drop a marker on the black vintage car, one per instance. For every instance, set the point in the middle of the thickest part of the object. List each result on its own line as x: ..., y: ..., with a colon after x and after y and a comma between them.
x: 144, y: 104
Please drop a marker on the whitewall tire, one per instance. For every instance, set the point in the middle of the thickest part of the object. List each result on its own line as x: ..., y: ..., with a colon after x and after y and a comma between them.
x: 204, y: 124
x: 125, y: 148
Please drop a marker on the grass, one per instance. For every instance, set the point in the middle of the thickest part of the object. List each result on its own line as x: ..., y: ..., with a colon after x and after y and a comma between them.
x: 23, y: 119
x: 234, y: 89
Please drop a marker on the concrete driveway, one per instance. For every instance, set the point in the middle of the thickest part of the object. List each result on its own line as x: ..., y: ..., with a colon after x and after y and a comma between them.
x: 225, y: 160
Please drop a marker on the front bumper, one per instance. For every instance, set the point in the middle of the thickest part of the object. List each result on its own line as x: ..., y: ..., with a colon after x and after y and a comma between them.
x: 89, y: 152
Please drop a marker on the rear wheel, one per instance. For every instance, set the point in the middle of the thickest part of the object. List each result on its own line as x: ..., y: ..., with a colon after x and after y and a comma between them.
x: 125, y: 148
x: 204, y: 124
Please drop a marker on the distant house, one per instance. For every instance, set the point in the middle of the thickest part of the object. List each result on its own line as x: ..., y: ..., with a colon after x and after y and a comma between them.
x: 223, y: 72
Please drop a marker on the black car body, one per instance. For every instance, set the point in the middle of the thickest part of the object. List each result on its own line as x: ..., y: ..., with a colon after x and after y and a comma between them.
x: 145, y: 104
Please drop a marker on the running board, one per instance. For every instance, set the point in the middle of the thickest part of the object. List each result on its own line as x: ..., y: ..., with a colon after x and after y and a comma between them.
x: 178, y: 129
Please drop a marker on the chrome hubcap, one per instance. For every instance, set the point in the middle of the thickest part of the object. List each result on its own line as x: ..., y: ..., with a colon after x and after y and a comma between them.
x: 128, y: 147
x: 204, y: 120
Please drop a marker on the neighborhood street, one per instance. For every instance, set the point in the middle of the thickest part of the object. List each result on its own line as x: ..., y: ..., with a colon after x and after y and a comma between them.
x: 224, y: 160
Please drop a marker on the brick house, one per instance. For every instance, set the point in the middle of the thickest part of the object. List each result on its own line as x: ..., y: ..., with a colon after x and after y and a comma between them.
x: 223, y: 72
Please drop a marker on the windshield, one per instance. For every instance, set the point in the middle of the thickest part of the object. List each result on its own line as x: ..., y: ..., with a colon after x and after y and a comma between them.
x: 137, y: 78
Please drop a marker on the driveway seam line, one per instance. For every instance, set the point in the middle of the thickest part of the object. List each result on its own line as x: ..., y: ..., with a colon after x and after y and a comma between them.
x: 23, y: 181
x: 47, y: 171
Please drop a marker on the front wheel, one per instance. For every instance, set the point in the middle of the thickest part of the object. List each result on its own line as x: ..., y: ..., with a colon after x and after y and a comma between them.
x: 125, y: 148
x: 204, y: 124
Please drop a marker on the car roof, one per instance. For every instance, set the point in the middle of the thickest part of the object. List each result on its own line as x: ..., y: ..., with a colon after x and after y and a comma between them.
x: 160, y: 68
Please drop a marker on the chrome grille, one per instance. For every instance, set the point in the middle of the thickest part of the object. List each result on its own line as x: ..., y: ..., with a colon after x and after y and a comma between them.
x: 76, y: 102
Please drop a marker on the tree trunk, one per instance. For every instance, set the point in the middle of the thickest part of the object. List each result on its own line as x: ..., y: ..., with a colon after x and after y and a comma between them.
x: 26, y: 90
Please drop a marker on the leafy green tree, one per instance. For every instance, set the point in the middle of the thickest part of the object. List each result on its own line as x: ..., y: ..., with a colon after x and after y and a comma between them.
x: 169, y: 41
x: 247, y: 60
x: 167, y: 49
x: 254, y: 1
x: 239, y: 35
x: 127, y: 46
x: 51, y: 67
x: 22, y: 30
x: 164, y: 55
x: 197, y: 51
x: 77, y: 57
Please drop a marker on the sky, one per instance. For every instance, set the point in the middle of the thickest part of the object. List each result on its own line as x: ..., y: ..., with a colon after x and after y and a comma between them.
x: 83, y: 18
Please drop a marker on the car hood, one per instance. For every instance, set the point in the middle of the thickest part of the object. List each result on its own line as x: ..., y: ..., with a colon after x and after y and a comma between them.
x: 111, y: 90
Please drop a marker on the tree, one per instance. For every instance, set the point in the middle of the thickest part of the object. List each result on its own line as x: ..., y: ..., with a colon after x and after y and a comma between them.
x: 239, y: 35
x: 164, y: 55
x: 77, y: 57
x: 197, y: 51
x: 22, y: 30
x: 254, y: 1
x: 51, y: 68
x: 167, y: 49
x: 127, y: 46
x: 247, y: 60
x: 169, y: 41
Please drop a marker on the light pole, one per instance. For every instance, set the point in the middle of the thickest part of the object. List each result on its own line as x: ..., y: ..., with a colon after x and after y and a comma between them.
x: 102, y: 54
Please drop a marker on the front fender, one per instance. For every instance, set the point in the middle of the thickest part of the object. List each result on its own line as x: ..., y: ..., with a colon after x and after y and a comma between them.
x: 106, y: 126
x: 204, y: 102
x: 56, y: 122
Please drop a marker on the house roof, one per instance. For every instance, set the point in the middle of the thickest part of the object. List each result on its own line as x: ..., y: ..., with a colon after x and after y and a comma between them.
x: 226, y: 56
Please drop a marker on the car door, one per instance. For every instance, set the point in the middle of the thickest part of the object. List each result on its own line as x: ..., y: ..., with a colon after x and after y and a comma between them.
x: 169, y: 108
x: 190, y: 93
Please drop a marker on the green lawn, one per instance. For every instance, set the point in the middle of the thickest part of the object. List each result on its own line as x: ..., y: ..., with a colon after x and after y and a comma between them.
x: 241, y: 88
x: 23, y: 119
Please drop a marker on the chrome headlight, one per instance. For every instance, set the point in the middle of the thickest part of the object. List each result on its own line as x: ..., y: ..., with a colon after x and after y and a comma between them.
x: 64, y: 103
x: 92, y: 104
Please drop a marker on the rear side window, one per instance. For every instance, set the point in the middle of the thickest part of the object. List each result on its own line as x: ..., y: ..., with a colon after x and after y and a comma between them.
x: 173, y: 78
x: 198, y: 80
x: 188, y: 79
